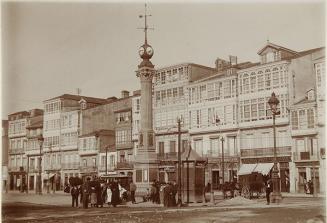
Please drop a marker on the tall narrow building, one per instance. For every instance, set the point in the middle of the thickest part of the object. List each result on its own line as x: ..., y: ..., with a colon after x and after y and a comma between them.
x: 146, y: 167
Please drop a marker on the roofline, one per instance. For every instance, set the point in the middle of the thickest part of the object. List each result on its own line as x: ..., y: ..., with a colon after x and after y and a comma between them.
x: 265, y: 64
x: 183, y: 64
x: 20, y: 112
x: 276, y: 47
x: 81, y: 97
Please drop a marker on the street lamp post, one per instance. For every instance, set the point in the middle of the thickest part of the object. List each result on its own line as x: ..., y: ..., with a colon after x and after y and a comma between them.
x: 106, y: 160
x: 179, y: 202
x: 40, y: 139
x: 216, y: 121
x: 222, y: 158
x: 275, y: 196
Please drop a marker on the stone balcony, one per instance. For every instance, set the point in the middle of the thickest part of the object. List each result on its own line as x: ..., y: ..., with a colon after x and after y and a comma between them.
x: 70, y: 166
x: 88, y: 169
x: 305, y: 157
x: 266, y: 152
x: 125, y: 165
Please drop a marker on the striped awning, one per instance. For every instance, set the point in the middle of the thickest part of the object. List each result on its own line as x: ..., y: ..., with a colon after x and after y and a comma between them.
x: 246, y: 169
x: 263, y: 168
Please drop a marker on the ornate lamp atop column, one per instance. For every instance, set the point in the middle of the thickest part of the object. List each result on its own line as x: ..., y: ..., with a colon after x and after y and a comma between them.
x: 276, y: 195
x: 40, y: 139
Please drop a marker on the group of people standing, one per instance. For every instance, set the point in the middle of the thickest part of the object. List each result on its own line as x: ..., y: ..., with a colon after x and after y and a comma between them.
x: 163, y: 192
x: 97, y: 194
x: 308, y: 187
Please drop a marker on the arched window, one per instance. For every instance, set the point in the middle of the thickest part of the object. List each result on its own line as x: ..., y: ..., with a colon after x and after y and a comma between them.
x: 275, y: 78
x: 246, y: 83
x: 261, y: 83
x: 267, y: 79
x: 253, y: 80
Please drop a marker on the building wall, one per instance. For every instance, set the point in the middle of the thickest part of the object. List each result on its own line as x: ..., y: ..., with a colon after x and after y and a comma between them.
x: 96, y: 118
x: 300, y: 69
x: 5, y: 142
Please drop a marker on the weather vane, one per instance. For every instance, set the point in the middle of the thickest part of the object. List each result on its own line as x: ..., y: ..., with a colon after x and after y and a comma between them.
x: 145, y: 28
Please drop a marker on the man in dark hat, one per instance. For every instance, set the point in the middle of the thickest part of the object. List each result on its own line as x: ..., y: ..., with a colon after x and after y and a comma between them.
x: 86, y: 192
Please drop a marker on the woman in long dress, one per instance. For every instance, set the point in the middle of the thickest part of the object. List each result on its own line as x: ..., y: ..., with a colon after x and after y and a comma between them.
x: 109, y: 194
x: 115, y: 193
x: 93, y: 197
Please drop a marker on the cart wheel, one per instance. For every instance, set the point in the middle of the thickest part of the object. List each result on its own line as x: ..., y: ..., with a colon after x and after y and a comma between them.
x: 236, y: 193
x: 263, y: 192
x: 246, y: 192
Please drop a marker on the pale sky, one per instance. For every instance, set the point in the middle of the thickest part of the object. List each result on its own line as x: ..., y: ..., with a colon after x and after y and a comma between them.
x: 49, y: 49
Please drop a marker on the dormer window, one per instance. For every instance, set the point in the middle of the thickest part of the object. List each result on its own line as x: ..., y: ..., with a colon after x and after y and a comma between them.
x: 83, y: 105
x: 270, y: 57
x: 311, y: 95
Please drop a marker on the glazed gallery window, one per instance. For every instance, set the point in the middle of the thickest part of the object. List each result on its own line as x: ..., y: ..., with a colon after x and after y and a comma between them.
x: 302, y: 119
x: 198, y: 146
x: 163, y: 97
x: 172, y: 145
x: 214, y: 147
x: 261, y: 83
x: 246, y: 84
x: 112, y: 160
x: 163, y: 78
x: 267, y: 79
x: 275, y: 78
x: 53, y: 107
x: 311, y: 120
x: 227, y: 89
x: 253, y: 82
x: 158, y: 97
x: 123, y: 137
x: 161, y: 148
x: 320, y: 70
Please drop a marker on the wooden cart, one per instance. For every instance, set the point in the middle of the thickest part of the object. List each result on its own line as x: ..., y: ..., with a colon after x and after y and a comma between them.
x: 252, y: 185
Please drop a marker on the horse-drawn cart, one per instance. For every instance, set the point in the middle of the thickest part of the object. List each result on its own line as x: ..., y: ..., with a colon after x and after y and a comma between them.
x: 252, y: 178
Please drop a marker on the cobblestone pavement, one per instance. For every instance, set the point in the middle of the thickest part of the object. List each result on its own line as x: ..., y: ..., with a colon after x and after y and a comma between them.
x: 56, y: 208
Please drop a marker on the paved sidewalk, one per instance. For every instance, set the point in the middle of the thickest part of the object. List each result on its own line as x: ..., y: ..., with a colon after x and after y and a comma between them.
x: 64, y: 200
x: 302, y: 195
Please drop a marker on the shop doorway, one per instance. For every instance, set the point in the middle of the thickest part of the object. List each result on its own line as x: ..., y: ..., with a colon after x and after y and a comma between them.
x: 215, y: 179
x: 31, y: 183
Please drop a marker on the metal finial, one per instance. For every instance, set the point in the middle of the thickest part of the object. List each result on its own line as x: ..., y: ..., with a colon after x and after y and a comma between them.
x: 145, y: 28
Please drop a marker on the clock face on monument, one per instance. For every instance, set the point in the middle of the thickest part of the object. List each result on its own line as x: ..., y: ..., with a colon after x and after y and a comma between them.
x: 141, y: 51
x: 149, y: 51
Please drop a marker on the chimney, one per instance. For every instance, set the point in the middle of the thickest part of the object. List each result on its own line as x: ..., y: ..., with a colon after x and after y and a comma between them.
x: 33, y: 113
x: 137, y: 92
x: 124, y: 94
x: 221, y: 64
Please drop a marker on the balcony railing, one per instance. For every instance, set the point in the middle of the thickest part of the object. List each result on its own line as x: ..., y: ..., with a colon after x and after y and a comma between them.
x: 305, y: 156
x: 125, y: 165
x: 261, y: 152
x: 88, y: 169
x: 16, y: 151
x: 52, y: 167
x: 103, y: 168
x: 70, y: 166
x: 33, y: 169
x: 167, y: 156
x: 17, y: 168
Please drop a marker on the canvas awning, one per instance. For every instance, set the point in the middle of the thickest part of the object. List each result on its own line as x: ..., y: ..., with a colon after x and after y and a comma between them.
x: 51, y: 175
x: 246, y: 169
x: 263, y: 168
